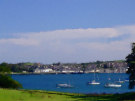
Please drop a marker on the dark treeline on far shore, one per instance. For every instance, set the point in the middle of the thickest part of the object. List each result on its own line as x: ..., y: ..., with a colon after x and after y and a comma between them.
x: 119, y: 66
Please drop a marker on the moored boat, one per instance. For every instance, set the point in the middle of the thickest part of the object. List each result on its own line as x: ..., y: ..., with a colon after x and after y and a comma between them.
x: 120, y: 81
x: 64, y: 85
x: 93, y: 83
x: 112, y: 85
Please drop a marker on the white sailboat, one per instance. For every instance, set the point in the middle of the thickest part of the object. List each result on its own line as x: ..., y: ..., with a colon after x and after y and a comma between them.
x: 119, y: 81
x: 94, y: 82
x: 64, y: 85
x: 112, y: 85
x: 127, y: 80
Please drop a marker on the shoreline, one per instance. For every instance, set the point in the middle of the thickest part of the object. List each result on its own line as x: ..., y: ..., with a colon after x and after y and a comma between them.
x: 56, y: 73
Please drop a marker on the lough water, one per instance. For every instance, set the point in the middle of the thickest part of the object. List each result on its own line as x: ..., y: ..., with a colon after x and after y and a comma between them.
x: 79, y: 81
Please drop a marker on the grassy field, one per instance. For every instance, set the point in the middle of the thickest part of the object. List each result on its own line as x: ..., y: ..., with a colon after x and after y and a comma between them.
x: 37, y: 95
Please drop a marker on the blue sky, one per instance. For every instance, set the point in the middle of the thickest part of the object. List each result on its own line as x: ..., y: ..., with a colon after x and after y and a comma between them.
x: 41, y: 15
x: 20, y: 20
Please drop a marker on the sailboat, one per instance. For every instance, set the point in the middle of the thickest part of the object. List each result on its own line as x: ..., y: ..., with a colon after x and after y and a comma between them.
x: 112, y: 85
x: 120, y: 81
x: 64, y: 85
x: 127, y: 80
x: 94, y: 82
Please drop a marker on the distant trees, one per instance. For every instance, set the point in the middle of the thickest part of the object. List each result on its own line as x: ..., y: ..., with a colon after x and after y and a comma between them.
x: 20, y: 67
x: 5, y: 79
x: 130, y: 59
x: 4, y: 68
x: 57, y: 64
x: 83, y: 67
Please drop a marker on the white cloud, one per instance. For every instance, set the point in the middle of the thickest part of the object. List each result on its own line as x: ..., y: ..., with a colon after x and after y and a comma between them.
x: 19, y: 41
x: 69, y: 45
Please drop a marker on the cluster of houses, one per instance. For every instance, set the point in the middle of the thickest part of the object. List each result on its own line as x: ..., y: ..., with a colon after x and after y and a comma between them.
x: 104, y: 67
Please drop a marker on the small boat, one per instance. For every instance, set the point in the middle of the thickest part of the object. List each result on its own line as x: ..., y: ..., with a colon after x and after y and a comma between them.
x: 120, y: 81
x: 94, y: 83
x: 64, y: 85
x: 112, y: 85
x: 127, y: 80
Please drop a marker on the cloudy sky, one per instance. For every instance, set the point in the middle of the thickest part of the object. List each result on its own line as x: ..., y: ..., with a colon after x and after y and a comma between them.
x: 49, y: 31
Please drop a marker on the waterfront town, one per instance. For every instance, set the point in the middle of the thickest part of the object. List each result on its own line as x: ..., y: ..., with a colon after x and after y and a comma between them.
x: 91, y: 67
x: 108, y: 67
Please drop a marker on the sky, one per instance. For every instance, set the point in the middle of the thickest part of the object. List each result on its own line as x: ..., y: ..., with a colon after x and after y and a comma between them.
x: 67, y: 31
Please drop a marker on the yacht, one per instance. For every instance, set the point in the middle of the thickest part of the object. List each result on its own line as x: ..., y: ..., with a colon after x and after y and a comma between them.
x: 120, y: 81
x: 93, y: 83
x: 64, y: 85
x: 112, y: 85
x: 127, y: 80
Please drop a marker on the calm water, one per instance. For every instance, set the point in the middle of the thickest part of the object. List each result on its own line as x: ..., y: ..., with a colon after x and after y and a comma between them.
x: 79, y: 81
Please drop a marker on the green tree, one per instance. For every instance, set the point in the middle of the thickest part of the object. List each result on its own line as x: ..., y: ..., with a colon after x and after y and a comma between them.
x: 4, y: 68
x: 5, y: 79
x: 130, y: 59
x: 84, y: 66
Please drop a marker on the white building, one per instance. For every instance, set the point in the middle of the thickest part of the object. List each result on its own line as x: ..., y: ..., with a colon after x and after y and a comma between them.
x: 37, y: 70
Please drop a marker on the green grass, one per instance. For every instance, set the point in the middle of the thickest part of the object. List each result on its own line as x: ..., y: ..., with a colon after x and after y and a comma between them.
x: 37, y: 95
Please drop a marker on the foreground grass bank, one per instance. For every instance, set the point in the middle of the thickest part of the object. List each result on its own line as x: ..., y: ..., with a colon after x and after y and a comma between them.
x: 37, y: 95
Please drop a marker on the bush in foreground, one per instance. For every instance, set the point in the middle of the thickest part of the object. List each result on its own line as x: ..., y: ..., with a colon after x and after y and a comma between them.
x: 5, y: 80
